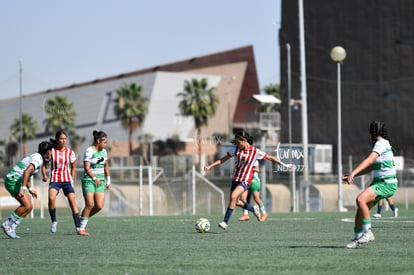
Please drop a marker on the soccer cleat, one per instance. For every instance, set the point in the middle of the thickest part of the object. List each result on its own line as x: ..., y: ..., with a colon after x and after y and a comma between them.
x: 396, y: 213
x: 366, y: 237
x: 53, y: 227
x: 13, y: 228
x: 353, y: 244
x: 223, y: 225
x: 264, y: 217
x: 83, y: 232
x: 245, y: 217
x: 8, y: 230
x: 257, y: 212
x: 377, y: 215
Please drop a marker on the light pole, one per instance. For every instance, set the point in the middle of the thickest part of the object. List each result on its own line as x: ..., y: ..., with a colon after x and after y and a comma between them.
x: 338, y: 55
x: 20, y: 110
x: 304, y: 113
x: 292, y: 181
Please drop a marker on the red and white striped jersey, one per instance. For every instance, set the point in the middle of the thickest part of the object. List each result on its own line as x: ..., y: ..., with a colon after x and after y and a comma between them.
x: 244, y: 161
x: 60, y: 164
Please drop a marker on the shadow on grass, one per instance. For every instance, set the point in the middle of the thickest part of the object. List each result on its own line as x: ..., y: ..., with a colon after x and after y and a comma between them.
x: 317, y: 246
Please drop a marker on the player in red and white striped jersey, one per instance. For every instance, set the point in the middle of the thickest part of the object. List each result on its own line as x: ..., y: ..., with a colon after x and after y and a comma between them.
x: 62, y: 173
x: 245, y: 156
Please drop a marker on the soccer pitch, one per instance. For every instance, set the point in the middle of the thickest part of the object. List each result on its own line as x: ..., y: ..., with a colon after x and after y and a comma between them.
x: 288, y: 243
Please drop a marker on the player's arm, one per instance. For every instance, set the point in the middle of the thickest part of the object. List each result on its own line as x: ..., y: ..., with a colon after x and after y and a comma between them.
x: 217, y: 162
x: 363, y: 168
x: 44, y: 173
x: 73, y: 170
x: 87, y: 168
x: 26, y: 181
x: 279, y: 162
x: 108, y: 177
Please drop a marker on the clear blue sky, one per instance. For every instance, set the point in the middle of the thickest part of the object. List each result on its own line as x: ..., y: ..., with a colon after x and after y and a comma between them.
x: 64, y: 42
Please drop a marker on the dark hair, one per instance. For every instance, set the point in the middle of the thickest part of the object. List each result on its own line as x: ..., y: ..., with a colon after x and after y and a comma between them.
x: 99, y: 135
x: 57, y: 136
x: 59, y: 133
x: 53, y: 142
x: 43, y: 147
x: 245, y: 135
x: 377, y: 128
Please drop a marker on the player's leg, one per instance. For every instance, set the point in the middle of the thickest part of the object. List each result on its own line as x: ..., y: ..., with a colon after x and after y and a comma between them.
x: 237, y: 189
x: 53, y: 192
x: 379, y: 209
x: 69, y: 192
x: 393, y: 208
x: 245, y: 197
x: 99, y: 200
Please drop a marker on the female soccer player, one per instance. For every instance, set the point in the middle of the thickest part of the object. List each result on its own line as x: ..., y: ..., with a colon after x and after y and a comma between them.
x: 255, y: 191
x: 384, y: 184
x: 17, y: 182
x: 62, y: 175
x: 392, y: 206
x: 245, y: 155
x: 96, y: 169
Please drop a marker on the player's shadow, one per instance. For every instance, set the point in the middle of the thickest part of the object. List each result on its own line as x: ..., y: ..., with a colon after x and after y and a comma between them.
x: 316, y: 246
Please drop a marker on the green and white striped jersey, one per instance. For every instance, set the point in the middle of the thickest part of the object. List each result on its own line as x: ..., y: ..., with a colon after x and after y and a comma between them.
x: 18, y: 170
x: 97, y: 159
x: 384, y: 165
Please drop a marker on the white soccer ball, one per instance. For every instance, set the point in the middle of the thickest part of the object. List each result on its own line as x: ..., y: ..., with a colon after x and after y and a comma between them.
x: 202, y: 225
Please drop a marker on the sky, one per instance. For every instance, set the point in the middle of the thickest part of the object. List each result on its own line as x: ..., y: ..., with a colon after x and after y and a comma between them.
x: 58, y: 43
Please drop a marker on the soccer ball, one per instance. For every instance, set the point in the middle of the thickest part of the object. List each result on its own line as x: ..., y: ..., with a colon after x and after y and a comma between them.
x: 202, y: 225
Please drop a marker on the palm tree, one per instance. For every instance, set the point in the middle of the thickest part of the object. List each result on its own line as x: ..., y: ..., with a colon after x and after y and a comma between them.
x: 271, y: 89
x: 131, y: 108
x: 75, y: 139
x: 200, y: 102
x: 59, y: 114
x: 29, y: 128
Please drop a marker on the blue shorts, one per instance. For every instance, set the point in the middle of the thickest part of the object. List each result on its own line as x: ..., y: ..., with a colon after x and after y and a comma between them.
x: 67, y: 187
x: 234, y: 184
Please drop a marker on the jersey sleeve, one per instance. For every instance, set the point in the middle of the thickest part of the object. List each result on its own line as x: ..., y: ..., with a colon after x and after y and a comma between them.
x: 261, y: 155
x: 37, y: 160
x: 72, y: 156
x: 88, y: 155
x: 380, y: 146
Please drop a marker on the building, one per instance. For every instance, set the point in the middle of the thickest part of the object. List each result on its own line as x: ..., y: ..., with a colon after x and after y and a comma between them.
x: 232, y: 72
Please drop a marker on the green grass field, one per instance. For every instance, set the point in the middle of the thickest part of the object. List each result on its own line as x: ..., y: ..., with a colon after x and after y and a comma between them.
x: 293, y: 243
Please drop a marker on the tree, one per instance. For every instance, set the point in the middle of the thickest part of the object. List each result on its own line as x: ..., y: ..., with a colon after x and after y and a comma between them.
x: 271, y: 89
x: 200, y: 102
x: 59, y: 114
x: 75, y: 139
x: 131, y: 108
x: 29, y: 128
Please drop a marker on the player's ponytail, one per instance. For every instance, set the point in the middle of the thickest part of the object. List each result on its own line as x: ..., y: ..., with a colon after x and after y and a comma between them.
x: 98, y: 136
x: 244, y: 135
x: 43, y: 147
x: 377, y: 128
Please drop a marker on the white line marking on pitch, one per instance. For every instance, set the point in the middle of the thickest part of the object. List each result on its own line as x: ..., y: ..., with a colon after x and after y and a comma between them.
x: 391, y: 220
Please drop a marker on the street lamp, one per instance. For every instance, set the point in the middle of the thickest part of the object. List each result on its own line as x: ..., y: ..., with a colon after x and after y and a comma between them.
x: 292, y: 180
x: 338, y: 55
x: 20, y: 110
